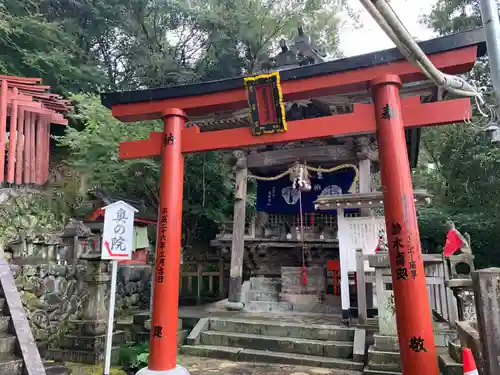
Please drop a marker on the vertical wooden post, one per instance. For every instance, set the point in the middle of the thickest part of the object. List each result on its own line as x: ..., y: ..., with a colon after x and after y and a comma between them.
x: 364, y: 169
x: 221, y: 278
x: 345, y: 297
x: 32, y: 166
x: 361, y: 287
x: 238, y: 242
x: 164, y: 327
x: 199, y: 283
x: 27, y: 146
x: 20, y: 146
x: 4, y: 92
x: 39, y: 147
x: 414, y: 321
x: 47, y: 152
x: 14, y: 120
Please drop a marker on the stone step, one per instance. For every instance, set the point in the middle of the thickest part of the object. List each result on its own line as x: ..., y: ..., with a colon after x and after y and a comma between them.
x: 266, y: 306
x: 379, y: 372
x: 283, y: 329
x: 336, y: 349
x: 386, y: 343
x: 11, y: 366
x: 263, y: 296
x: 5, y: 324
x: 384, y: 361
x: 252, y: 355
x: 8, y: 345
x: 448, y: 366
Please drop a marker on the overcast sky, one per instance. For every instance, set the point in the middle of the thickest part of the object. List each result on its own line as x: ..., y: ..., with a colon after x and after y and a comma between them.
x: 370, y: 37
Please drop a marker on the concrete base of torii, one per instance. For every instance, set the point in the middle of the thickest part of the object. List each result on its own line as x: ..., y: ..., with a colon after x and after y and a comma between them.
x: 179, y: 370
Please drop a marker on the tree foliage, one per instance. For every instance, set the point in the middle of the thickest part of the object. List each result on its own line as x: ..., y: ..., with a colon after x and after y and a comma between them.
x: 32, y: 46
x: 459, y: 164
x: 208, y: 185
x: 86, y: 46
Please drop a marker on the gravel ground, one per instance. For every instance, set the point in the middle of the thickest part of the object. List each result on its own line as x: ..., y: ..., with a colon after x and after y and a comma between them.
x: 199, y: 366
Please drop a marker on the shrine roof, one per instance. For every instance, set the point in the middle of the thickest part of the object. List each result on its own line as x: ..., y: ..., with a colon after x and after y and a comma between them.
x: 470, y: 38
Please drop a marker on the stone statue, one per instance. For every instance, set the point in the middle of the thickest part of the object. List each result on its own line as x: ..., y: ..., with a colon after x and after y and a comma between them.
x: 465, y: 239
x: 303, y: 51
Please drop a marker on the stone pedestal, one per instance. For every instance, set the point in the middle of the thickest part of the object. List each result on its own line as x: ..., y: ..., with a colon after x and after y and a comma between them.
x: 486, y: 284
x: 86, y: 342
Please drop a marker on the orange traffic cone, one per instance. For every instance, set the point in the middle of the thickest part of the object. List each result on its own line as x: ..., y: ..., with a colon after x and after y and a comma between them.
x: 469, y: 363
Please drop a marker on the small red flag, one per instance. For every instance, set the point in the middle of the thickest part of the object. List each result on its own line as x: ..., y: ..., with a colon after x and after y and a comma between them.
x: 304, y: 275
x: 453, y: 242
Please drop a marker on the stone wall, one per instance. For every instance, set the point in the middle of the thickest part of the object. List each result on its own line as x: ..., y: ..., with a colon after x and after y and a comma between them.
x: 291, y: 280
x: 53, y: 295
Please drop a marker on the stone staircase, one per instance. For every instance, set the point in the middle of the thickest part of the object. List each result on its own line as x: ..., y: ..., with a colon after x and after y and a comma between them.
x: 264, y: 294
x: 277, y: 342
x: 18, y: 352
x: 384, y: 357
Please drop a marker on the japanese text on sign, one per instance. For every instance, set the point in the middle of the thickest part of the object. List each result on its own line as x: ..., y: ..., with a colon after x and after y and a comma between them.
x: 118, y: 231
x: 388, y: 112
x: 162, y: 239
x: 417, y: 344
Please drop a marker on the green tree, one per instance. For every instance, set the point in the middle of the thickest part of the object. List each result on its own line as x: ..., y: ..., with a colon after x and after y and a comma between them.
x: 34, y: 47
x: 208, y: 183
x: 464, y: 173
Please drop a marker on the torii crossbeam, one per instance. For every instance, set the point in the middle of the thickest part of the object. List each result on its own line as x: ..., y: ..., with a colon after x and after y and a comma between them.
x: 380, y: 77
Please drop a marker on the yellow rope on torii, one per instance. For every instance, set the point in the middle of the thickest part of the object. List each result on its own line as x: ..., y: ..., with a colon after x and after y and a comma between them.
x: 352, y: 189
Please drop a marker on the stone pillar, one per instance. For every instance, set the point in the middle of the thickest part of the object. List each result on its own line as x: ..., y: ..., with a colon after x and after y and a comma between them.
x: 95, y: 311
x: 87, y: 342
x: 486, y: 284
x: 234, y: 301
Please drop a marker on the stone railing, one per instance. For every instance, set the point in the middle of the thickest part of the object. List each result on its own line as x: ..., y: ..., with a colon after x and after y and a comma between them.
x: 442, y: 302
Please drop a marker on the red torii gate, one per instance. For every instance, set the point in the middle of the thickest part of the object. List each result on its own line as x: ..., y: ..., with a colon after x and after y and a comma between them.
x: 27, y: 111
x: 380, y: 73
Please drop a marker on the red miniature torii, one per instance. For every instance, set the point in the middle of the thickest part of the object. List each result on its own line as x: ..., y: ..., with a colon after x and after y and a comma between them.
x: 388, y: 116
x: 32, y: 110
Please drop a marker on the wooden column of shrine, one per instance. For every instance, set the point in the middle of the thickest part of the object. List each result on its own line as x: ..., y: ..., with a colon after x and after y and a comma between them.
x: 26, y: 114
x: 238, y: 242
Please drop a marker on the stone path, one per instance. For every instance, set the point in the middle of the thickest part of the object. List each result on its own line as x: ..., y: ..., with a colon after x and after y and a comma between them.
x: 199, y: 366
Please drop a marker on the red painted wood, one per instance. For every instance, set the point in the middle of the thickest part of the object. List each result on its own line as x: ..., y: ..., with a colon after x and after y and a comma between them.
x: 20, y: 79
x: 14, y: 120
x: 457, y: 61
x: 4, y: 88
x: 47, y: 153
x: 33, y: 126
x: 20, y: 146
x: 27, y: 149
x: 361, y: 121
x: 413, y: 314
x: 163, y: 344
x: 39, y: 148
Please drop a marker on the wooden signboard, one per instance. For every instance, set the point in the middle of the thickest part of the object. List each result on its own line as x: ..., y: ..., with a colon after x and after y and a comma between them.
x: 265, y: 101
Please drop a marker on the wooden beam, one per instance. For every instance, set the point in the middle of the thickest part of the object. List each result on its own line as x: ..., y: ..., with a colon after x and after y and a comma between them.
x: 452, y: 62
x: 361, y: 121
x: 313, y: 154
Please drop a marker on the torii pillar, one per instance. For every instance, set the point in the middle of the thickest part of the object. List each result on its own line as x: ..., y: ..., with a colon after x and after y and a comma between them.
x: 414, y: 321
x: 164, y: 327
